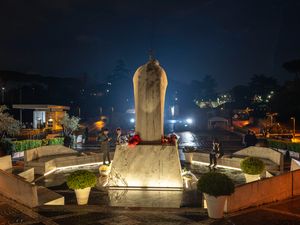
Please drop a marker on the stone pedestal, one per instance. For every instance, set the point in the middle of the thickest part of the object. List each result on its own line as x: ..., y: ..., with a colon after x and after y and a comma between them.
x: 148, y: 198
x: 146, y: 166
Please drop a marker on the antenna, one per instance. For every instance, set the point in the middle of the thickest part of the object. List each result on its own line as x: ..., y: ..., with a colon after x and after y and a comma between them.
x: 151, y: 51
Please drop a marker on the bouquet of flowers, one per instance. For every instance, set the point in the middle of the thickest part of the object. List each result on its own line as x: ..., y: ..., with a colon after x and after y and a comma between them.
x: 135, y: 140
x: 169, y: 140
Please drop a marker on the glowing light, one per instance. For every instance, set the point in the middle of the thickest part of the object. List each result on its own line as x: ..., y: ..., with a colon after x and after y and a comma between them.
x: 189, y: 120
x: 99, y: 124
x: 173, y: 110
x: 132, y: 120
x: 218, y: 166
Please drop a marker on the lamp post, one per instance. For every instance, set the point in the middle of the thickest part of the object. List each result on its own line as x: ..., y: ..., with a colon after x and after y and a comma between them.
x: 2, y: 94
x: 294, y: 126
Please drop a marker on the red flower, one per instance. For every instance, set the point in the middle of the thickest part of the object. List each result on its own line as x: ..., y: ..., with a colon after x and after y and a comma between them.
x: 135, y: 140
x: 169, y: 140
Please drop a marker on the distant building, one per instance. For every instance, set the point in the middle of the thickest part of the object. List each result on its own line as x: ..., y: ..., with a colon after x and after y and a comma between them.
x: 44, y: 116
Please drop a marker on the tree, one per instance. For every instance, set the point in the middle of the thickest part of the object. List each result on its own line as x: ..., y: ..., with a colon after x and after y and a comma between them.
x: 204, y: 89
x: 209, y: 85
x: 8, y: 125
x: 69, y: 124
x: 262, y: 84
x: 293, y: 66
x: 241, y: 95
x: 119, y: 89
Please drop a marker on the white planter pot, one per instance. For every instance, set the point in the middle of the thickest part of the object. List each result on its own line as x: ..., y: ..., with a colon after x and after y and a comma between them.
x: 82, y: 195
x: 251, y: 178
x: 215, y: 205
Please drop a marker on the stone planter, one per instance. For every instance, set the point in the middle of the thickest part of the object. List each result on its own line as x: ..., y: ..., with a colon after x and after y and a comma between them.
x: 251, y: 178
x: 215, y: 205
x: 82, y: 195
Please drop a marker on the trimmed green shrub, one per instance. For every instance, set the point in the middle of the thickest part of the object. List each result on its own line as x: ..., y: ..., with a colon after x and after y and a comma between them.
x: 56, y: 141
x: 286, y: 145
x: 81, y: 179
x: 19, y: 146
x: 215, y: 184
x: 24, y: 145
x: 252, y: 166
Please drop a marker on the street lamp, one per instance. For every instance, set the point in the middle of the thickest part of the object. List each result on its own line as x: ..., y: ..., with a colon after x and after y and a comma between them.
x: 2, y: 94
x: 294, y: 126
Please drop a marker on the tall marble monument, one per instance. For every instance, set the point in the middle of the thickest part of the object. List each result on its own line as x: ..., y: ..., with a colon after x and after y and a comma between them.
x: 150, y: 84
x: 149, y: 164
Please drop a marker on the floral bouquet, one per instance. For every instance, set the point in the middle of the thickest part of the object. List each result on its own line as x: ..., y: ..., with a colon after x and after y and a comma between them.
x: 169, y: 140
x: 135, y: 140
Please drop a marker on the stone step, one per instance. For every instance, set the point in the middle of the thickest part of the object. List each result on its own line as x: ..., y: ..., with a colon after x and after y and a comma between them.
x: 48, y: 197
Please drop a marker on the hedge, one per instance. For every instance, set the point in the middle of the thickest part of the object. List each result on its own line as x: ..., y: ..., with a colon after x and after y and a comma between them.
x: 284, y: 145
x: 19, y: 146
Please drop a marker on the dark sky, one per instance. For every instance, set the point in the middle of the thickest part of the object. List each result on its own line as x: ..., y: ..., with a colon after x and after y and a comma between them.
x: 229, y: 39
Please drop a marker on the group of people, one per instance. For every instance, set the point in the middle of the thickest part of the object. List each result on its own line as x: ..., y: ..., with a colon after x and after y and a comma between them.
x: 106, y: 140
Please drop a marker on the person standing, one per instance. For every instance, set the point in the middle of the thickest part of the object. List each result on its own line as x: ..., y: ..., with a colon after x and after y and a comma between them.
x: 213, y: 153
x: 247, y: 139
x: 118, y: 136
x: 105, y: 140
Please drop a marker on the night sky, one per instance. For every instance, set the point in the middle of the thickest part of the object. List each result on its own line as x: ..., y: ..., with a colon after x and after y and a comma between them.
x: 230, y: 40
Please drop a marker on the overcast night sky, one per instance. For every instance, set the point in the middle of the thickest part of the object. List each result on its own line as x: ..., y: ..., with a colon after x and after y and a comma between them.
x: 230, y: 40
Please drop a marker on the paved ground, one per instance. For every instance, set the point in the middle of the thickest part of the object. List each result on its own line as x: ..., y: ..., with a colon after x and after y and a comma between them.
x: 202, y: 140
x: 281, y: 213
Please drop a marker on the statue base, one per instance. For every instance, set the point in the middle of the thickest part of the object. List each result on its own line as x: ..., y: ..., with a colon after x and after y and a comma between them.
x: 146, y: 166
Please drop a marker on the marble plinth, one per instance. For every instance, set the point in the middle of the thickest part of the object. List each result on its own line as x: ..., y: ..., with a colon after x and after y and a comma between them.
x: 146, y: 166
x: 145, y: 198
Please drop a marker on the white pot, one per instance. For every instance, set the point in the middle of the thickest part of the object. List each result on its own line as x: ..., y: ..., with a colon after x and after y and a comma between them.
x: 251, y: 178
x: 215, y: 205
x: 82, y: 195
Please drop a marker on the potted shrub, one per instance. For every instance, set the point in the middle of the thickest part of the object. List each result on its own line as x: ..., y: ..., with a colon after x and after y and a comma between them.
x: 215, y: 187
x: 252, y: 168
x: 81, y: 182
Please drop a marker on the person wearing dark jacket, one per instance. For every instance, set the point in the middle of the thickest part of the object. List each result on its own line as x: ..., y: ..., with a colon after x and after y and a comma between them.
x: 105, y: 140
x: 213, y: 153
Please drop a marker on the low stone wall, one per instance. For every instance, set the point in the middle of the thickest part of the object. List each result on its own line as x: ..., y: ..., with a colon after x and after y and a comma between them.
x: 81, y: 159
x: 43, y: 151
x: 296, y: 182
x: 264, y: 191
x: 265, y: 153
x: 233, y: 162
x: 16, y: 188
x: 45, y: 165
x: 28, y: 175
x: 5, y: 162
x: 295, y: 165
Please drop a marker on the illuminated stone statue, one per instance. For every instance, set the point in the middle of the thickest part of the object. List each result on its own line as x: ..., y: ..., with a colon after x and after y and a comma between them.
x: 150, y: 84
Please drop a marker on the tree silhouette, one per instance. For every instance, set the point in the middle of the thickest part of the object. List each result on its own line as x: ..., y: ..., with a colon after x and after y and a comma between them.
x: 293, y: 66
x: 262, y: 84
